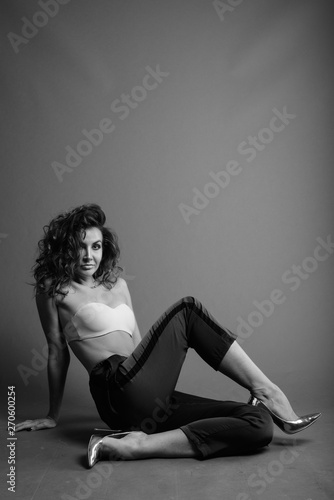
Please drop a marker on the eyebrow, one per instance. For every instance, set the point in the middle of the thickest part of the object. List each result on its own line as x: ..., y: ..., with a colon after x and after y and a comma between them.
x: 94, y: 242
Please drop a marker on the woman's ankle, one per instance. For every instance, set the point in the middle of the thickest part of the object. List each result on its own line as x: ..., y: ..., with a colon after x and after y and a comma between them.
x: 130, y: 447
x: 275, y: 399
x: 266, y: 393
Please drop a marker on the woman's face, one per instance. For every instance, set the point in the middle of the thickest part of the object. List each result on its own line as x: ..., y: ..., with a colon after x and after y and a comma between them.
x: 90, y: 254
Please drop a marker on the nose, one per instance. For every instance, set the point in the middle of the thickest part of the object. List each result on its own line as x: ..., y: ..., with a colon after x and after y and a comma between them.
x: 87, y: 254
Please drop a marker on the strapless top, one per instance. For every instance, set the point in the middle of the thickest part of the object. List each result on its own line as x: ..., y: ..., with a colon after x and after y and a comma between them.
x: 95, y: 319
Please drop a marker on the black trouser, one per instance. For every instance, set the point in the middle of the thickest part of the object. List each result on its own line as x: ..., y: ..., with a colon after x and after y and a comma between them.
x: 138, y: 392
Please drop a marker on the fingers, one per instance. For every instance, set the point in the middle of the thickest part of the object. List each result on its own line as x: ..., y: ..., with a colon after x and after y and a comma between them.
x: 30, y: 425
x: 35, y: 425
x: 26, y: 425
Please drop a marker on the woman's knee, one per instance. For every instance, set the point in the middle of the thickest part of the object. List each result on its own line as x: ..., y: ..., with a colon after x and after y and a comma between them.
x: 191, y: 301
x: 188, y: 299
x: 260, y: 430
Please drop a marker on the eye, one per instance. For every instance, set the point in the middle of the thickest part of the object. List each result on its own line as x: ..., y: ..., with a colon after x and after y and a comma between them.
x: 97, y: 246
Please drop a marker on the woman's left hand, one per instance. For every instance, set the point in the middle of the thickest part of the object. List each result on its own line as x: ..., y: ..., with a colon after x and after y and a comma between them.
x: 36, y: 425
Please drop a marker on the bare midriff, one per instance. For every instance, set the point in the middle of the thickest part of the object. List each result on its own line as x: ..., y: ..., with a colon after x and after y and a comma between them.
x: 92, y: 351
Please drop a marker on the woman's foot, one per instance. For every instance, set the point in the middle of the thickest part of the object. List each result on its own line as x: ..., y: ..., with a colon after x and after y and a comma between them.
x: 136, y: 445
x: 276, y: 401
x: 237, y: 365
x: 287, y: 426
x: 129, y: 447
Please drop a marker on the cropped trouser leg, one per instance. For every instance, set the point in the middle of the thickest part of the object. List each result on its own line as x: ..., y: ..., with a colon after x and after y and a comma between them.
x: 138, y: 392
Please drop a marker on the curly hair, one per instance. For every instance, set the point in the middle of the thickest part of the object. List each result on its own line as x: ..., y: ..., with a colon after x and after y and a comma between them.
x: 60, y: 246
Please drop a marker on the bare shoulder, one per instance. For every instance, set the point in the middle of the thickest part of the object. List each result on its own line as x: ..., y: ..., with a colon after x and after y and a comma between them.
x: 124, y: 291
x: 122, y: 283
x: 43, y: 297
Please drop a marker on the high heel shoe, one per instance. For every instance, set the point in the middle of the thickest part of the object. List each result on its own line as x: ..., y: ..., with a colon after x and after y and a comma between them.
x: 94, y: 452
x: 287, y: 426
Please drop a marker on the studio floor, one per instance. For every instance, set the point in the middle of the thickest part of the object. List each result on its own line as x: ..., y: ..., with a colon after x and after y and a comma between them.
x: 52, y: 465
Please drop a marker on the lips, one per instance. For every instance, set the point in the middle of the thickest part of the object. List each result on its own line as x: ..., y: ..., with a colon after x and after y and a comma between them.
x: 87, y: 266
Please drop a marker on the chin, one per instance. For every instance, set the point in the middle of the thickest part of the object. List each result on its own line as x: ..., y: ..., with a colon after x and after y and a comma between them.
x: 87, y: 272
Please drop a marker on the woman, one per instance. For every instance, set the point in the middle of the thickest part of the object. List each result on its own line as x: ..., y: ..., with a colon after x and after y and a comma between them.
x: 84, y: 303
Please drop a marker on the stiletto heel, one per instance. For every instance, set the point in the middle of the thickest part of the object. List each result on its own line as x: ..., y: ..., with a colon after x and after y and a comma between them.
x: 94, y: 451
x: 287, y: 426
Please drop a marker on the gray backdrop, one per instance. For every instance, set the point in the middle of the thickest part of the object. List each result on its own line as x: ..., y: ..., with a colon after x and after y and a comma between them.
x: 204, y: 130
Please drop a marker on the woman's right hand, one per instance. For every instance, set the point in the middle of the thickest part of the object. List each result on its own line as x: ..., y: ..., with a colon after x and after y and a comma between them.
x: 36, y: 425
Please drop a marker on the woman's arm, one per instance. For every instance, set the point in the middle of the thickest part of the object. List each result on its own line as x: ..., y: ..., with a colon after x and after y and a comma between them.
x: 58, y: 362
